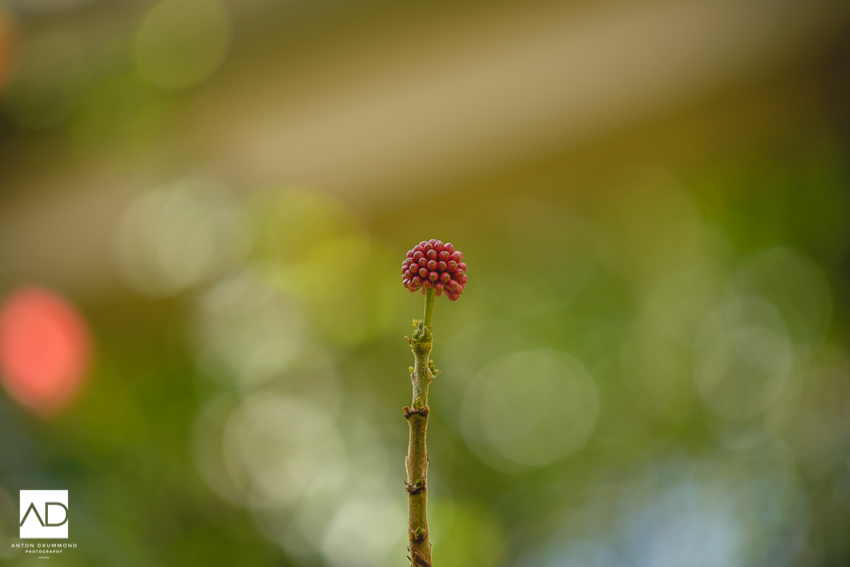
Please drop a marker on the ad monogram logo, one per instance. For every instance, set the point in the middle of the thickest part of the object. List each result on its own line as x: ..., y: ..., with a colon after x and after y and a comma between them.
x: 53, y: 504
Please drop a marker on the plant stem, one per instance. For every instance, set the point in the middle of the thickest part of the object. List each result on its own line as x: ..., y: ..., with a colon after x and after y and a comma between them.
x: 417, y: 453
x: 430, y: 295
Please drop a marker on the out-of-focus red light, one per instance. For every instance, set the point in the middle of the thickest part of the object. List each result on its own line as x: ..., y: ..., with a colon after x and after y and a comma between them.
x: 44, y: 349
x: 5, y: 46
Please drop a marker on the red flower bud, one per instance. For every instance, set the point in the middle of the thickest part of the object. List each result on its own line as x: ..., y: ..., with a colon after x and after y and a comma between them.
x: 432, y: 264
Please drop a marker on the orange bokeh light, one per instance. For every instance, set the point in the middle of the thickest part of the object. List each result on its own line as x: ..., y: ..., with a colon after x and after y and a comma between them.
x: 5, y: 46
x: 44, y: 349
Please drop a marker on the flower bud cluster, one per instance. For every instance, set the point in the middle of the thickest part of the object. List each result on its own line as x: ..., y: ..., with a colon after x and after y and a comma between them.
x: 434, y: 264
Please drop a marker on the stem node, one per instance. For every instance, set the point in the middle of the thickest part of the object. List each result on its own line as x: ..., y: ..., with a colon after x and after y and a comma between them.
x: 423, y: 411
x: 418, y: 559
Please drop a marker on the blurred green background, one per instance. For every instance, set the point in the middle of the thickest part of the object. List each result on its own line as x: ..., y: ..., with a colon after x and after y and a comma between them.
x: 203, y: 209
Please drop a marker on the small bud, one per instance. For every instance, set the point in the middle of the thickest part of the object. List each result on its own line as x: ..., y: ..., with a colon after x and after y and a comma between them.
x: 431, y: 265
x: 457, y: 257
x: 418, y: 254
x: 463, y: 279
x: 408, y: 275
x: 427, y: 246
x: 445, y: 277
x: 431, y: 254
x: 452, y: 284
x: 439, y: 287
x: 438, y: 245
x: 428, y: 284
x: 451, y: 296
x: 458, y: 274
x: 433, y: 276
x: 417, y: 280
x: 462, y: 265
x: 451, y: 266
x: 423, y: 272
x: 443, y: 256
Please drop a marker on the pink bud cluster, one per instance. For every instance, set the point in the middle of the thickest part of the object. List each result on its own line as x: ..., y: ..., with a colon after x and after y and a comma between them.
x: 434, y: 264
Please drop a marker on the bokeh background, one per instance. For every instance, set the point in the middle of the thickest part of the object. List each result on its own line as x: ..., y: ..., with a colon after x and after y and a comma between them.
x: 204, y: 205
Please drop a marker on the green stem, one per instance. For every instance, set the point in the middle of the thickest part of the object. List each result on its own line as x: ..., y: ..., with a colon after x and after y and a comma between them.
x: 417, y: 453
x: 430, y: 295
